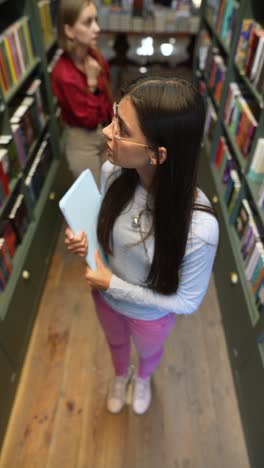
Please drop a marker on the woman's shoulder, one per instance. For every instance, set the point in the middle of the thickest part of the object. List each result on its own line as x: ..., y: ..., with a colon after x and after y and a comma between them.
x: 63, y: 68
x: 204, y: 224
x: 109, y: 172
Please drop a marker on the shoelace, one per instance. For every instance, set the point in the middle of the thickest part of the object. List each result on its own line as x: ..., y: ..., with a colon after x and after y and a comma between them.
x: 140, y: 389
x: 118, y: 388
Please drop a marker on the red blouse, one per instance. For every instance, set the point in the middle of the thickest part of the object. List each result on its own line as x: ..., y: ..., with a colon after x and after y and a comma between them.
x: 80, y: 107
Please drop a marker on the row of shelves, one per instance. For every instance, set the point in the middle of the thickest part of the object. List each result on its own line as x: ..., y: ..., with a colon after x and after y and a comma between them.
x: 233, y: 176
x: 38, y: 148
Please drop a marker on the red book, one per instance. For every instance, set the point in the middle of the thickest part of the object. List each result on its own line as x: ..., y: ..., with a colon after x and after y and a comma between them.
x: 255, y: 35
x: 219, y: 152
x: 5, y: 255
x: 7, y: 232
x: 4, y: 178
x: 3, y: 70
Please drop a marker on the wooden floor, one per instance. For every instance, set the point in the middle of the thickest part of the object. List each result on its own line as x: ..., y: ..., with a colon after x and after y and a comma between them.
x: 60, y: 419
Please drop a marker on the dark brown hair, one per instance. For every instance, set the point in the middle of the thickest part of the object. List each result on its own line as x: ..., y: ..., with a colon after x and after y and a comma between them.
x: 170, y: 113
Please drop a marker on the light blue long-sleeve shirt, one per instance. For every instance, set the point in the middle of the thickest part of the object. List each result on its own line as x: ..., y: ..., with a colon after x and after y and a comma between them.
x: 131, y: 260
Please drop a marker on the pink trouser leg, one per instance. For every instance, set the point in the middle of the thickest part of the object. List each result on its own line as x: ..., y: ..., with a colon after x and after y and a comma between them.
x: 117, y: 334
x: 149, y: 337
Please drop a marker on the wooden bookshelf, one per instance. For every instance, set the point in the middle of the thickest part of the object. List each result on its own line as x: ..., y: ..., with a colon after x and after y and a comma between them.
x: 243, y: 316
x: 19, y: 299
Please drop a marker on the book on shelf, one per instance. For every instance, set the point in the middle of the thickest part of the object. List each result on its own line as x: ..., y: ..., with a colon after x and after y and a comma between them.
x: 240, y: 119
x: 216, y: 76
x: 7, y: 232
x: 244, y: 215
x: 18, y: 216
x: 255, y: 34
x: 233, y: 187
x: 7, y: 143
x: 256, y: 168
x: 210, y: 121
x: 226, y: 20
x: 242, y: 46
x: 39, y: 170
x: 46, y: 22
x: 34, y: 91
x: 258, y: 273
x: 212, y: 8
x: 260, y: 301
x: 20, y: 144
x: 261, y: 196
x: 5, y: 272
x: 248, y: 241
x: 16, y: 52
x: 219, y: 152
x: 232, y: 94
x: 5, y: 255
x: 256, y: 65
x: 23, y: 117
x: 4, y: 170
x: 224, y: 160
x: 204, y: 44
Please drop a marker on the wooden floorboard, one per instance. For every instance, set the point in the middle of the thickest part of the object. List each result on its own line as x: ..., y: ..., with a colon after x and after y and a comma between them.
x: 59, y: 419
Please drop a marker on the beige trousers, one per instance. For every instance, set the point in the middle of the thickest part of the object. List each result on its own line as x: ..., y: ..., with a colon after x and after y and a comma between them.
x: 85, y: 149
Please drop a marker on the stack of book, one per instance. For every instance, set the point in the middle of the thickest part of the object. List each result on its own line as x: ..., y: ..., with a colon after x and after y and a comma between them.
x: 252, y: 250
x: 216, y: 72
x: 16, y: 53
x: 228, y: 172
x: 250, y: 52
x: 240, y: 119
x: 27, y: 121
x: 39, y: 170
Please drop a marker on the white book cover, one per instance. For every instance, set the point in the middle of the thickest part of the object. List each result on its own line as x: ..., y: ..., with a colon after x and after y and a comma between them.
x: 80, y: 207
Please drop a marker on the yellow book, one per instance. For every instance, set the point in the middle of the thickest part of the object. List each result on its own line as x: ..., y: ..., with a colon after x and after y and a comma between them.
x: 10, y: 59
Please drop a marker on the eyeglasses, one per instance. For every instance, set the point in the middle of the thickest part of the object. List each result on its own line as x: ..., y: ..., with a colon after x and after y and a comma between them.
x: 116, y: 128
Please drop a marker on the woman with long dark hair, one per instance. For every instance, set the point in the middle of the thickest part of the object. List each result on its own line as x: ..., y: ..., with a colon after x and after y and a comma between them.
x: 155, y: 225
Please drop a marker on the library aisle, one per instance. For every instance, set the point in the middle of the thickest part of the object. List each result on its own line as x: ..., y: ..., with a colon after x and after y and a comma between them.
x: 60, y: 419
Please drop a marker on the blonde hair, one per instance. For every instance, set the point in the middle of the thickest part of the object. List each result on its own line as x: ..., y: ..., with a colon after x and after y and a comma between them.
x: 68, y: 13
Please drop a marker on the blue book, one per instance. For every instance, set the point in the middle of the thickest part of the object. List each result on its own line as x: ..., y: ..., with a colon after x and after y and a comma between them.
x: 80, y: 207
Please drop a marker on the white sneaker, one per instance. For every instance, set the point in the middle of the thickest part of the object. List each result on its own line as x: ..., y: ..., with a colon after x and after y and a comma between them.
x: 117, y: 394
x: 141, y: 395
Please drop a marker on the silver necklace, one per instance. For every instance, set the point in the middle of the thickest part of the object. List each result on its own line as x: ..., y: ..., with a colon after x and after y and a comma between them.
x: 136, y: 223
x: 136, y: 220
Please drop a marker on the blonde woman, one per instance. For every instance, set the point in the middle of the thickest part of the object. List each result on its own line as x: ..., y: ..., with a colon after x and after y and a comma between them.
x: 80, y: 80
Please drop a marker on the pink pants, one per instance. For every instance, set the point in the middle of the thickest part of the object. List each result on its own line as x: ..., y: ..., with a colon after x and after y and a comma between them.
x: 148, y: 336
